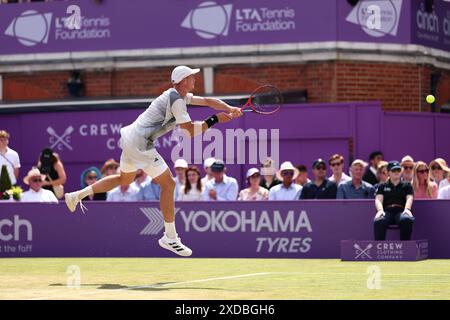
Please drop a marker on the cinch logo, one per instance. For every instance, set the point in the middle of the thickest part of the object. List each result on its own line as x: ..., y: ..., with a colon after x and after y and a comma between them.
x: 30, y: 28
x: 10, y: 230
x: 209, y: 19
x: 377, y: 17
x: 362, y: 253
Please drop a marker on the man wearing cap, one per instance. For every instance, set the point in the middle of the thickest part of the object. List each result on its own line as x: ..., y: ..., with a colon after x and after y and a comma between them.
x: 393, y: 202
x: 287, y: 189
x: 207, y: 166
x: 36, y: 193
x: 221, y: 187
x: 138, y: 150
x: 407, y: 164
x: 320, y: 187
x: 180, y: 167
x: 356, y: 188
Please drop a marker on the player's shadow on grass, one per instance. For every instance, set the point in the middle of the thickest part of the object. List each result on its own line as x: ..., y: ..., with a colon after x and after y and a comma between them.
x: 150, y: 287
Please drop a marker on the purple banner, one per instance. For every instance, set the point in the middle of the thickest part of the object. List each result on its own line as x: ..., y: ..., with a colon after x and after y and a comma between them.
x: 116, y: 25
x: 294, y: 229
x: 395, y: 250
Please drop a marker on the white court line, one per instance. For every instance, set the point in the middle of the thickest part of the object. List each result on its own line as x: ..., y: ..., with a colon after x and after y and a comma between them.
x: 161, y: 285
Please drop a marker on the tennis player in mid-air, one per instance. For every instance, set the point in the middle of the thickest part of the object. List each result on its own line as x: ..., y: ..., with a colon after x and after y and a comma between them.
x: 138, y: 151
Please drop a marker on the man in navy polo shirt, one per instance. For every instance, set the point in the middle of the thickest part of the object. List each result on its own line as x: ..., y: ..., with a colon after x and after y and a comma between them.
x: 393, y: 202
x: 320, y: 187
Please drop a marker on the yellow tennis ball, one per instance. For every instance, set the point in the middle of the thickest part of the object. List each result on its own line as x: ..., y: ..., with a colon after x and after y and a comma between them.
x: 430, y: 98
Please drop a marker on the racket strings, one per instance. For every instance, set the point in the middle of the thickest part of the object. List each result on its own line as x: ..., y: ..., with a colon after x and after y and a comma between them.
x: 266, y: 99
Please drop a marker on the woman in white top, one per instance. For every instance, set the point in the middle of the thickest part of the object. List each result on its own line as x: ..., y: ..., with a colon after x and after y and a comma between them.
x: 192, y: 190
x: 255, y: 191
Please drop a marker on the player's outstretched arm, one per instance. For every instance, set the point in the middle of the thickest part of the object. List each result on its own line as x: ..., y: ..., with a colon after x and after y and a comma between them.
x: 197, y: 127
x: 215, y: 104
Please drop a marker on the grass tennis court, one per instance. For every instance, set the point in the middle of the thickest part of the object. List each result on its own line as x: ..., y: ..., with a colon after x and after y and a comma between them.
x: 151, y: 278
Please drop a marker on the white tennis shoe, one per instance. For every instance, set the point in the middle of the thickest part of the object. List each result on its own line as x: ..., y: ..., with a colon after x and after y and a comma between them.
x: 175, y: 246
x: 72, y: 200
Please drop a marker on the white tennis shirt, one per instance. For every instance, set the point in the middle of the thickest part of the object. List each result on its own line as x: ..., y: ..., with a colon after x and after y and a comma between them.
x: 163, y: 114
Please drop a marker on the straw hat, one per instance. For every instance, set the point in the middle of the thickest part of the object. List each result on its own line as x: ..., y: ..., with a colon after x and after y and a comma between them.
x: 287, y: 165
x: 33, y: 173
x: 109, y: 163
x: 441, y: 163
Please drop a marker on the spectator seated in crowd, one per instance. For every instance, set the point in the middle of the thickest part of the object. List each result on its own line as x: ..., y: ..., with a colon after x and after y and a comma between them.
x: 151, y: 191
x: 254, y: 191
x: 336, y: 163
x: 36, y: 193
x: 89, y: 177
x: 141, y: 179
x: 393, y: 202
x: 382, y: 173
x: 208, y: 173
x: 356, y: 188
x: 302, y: 177
x: 180, y: 166
x: 192, y: 190
x: 52, y: 167
x: 439, y: 172
x: 423, y: 186
x: 221, y: 187
x: 268, y: 171
x: 126, y: 192
x: 370, y: 175
x: 110, y: 167
x: 407, y: 164
x: 320, y: 187
x: 9, y: 157
x: 288, y: 189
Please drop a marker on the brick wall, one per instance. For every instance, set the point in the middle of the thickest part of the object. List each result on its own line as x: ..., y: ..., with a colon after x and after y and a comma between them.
x: 401, y: 87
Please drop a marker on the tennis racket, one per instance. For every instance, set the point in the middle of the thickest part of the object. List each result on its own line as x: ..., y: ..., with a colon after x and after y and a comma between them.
x: 265, y: 99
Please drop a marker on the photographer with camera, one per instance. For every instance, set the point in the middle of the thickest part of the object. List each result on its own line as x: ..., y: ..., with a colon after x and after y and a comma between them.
x: 51, y: 166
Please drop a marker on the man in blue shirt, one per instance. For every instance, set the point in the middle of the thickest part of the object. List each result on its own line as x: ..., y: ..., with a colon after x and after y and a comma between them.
x: 320, y: 187
x: 150, y: 191
x: 356, y: 188
x: 221, y: 187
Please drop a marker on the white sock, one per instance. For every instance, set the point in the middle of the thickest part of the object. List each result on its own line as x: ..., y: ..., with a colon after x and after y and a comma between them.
x: 85, y: 192
x: 171, y: 232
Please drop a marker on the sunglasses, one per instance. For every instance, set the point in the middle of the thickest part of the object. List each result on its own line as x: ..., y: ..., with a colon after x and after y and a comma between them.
x: 396, y: 170
x: 422, y: 171
x: 321, y: 168
x: 287, y: 173
x: 335, y: 164
x: 408, y: 167
x: 36, y: 180
x: 436, y: 168
x: 91, y: 177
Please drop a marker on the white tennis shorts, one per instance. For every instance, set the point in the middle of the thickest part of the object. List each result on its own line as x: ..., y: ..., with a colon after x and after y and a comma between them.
x: 133, y: 159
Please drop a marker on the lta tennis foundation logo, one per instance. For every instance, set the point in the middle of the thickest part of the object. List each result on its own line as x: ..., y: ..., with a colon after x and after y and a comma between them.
x: 30, y: 28
x: 377, y: 17
x: 209, y: 19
